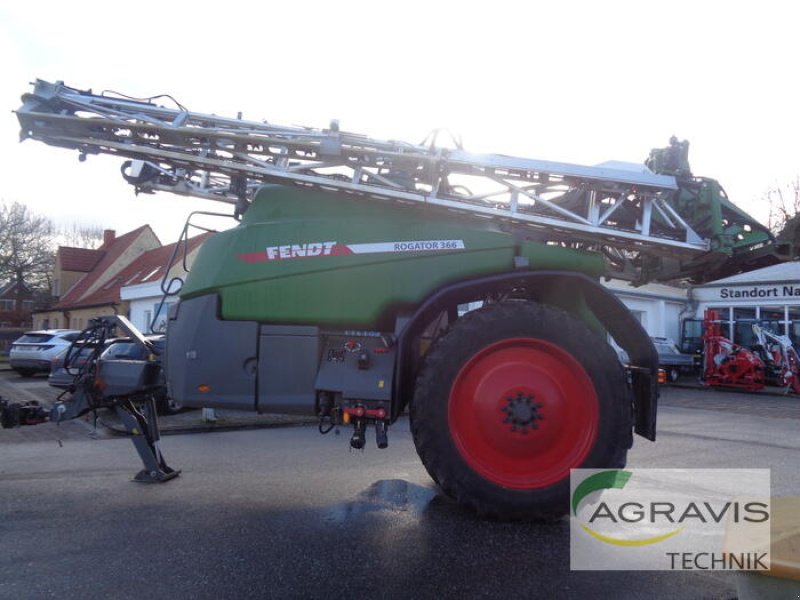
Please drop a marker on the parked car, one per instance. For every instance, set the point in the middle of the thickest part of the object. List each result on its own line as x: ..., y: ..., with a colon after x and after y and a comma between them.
x: 32, y: 353
x: 672, y: 360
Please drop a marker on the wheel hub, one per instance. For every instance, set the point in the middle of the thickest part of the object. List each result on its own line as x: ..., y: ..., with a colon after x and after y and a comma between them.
x: 497, y: 408
x: 521, y: 412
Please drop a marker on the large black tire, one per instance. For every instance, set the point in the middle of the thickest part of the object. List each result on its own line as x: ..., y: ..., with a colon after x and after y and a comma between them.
x: 25, y: 372
x: 511, y: 398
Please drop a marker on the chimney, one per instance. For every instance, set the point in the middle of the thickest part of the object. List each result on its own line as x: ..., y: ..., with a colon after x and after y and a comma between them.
x: 108, y: 237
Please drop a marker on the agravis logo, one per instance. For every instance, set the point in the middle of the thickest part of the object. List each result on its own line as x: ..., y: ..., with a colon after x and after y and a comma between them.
x: 605, y: 481
x: 716, y: 519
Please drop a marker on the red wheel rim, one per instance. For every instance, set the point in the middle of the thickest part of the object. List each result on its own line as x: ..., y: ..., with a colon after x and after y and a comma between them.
x: 523, y: 412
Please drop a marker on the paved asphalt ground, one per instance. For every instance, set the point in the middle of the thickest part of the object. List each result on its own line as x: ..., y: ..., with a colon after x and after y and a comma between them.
x: 287, y: 513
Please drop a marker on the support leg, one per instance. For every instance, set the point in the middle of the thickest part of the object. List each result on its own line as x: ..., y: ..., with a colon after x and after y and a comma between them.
x: 143, y: 426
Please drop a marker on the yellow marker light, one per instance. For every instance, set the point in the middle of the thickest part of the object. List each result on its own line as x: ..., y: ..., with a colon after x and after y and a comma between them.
x: 203, y: 388
x: 346, y: 418
x: 662, y: 376
x: 381, y: 384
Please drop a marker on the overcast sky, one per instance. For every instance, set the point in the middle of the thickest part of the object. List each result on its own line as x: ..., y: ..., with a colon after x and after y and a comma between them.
x: 580, y: 82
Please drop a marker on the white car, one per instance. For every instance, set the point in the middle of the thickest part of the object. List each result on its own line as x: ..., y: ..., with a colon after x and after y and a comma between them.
x: 33, y: 352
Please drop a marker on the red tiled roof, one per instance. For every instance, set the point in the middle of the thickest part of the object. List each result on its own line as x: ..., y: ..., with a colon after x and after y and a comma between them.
x: 110, y: 253
x: 148, y: 267
x: 81, y: 260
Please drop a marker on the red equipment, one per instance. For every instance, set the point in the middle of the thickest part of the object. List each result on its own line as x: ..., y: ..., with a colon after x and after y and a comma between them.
x: 726, y: 364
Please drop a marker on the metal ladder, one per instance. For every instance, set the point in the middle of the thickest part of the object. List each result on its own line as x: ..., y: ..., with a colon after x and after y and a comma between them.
x: 617, y: 205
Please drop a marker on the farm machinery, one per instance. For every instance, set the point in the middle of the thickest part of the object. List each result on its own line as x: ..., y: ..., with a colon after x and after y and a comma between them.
x: 780, y: 358
x: 345, y: 289
x: 772, y: 360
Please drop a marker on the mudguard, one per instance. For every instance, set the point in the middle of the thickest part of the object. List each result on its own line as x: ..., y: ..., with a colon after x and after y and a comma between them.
x: 604, y: 307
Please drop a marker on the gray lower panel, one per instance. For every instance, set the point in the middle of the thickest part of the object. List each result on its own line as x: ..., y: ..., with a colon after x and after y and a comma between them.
x: 287, y: 366
x: 210, y: 363
x: 269, y: 368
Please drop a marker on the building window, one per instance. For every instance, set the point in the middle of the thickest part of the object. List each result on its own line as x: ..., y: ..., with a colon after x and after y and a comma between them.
x: 744, y: 318
x: 793, y: 324
x: 692, y: 336
x: 159, y: 324
x: 773, y: 318
x: 151, y: 273
x: 726, y: 319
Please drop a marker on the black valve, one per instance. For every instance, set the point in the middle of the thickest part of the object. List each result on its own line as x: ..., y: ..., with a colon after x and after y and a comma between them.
x: 359, y: 439
x: 381, y: 435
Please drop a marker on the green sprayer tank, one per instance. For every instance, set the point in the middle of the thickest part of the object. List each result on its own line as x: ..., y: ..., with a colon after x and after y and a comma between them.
x: 308, y: 257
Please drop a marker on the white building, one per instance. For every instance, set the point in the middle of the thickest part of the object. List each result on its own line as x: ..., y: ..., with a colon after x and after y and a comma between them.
x: 145, y: 306
x: 659, y: 308
x: 770, y: 295
x: 148, y: 308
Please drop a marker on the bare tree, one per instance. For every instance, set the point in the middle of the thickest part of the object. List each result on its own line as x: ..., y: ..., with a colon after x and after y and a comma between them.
x: 26, y: 247
x: 784, y: 204
x: 80, y: 236
x: 784, y: 213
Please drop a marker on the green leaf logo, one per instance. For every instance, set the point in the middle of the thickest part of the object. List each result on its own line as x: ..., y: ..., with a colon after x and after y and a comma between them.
x: 599, y: 481
x: 607, y: 480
